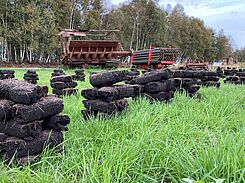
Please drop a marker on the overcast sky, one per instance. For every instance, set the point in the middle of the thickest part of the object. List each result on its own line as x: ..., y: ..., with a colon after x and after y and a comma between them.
x: 228, y: 15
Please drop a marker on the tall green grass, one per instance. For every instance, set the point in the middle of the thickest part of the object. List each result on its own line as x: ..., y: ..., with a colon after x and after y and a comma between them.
x: 199, y: 139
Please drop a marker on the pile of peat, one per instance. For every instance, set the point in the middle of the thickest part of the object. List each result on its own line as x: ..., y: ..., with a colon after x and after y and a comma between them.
x: 156, y: 85
x: 63, y: 85
x: 57, y: 72
x: 237, y: 78
x: 190, y: 80
x: 30, y: 120
x: 79, y: 75
x: 31, y: 76
x: 105, y: 97
x: 6, y: 74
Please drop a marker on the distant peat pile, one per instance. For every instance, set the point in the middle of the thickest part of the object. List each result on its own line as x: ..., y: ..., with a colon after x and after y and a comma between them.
x: 237, y: 77
x: 31, y: 76
x: 63, y: 85
x: 156, y: 85
x: 6, y: 74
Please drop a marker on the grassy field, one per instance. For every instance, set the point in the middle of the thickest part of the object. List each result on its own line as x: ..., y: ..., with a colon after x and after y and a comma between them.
x: 188, y: 139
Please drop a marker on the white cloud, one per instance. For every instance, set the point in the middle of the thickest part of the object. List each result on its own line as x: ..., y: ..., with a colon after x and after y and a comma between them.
x: 203, y: 8
x: 218, y: 14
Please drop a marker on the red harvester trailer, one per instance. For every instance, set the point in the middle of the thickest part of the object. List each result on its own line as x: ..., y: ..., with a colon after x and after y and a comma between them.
x: 90, y: 47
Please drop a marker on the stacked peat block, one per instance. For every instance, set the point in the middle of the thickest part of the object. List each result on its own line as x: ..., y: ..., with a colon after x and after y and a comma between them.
x: 157, y: 85
x: 63, y: 85
x: 188, y: 81
x: 105, y: 98
x: 79, y: 75
x: 31, y: 76
x: 230, y: 71
x: 191, y: 80
x: 239, y: 78
x: 57, y: 72
x: 210, y: 78
x: 6, y: 74
x: 30, y: 120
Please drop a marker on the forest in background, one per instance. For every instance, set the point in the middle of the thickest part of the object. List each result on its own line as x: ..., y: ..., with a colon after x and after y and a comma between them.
x: 29, y: 29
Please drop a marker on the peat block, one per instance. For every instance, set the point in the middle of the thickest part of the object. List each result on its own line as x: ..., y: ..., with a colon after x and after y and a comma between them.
x: 24, y: 131
x: 57, y: 91
x: 10, y: 72
x: 210, y: 78
x: 46, y: 106
x: 176, y: 81
x: 90, y: 93
x: 160, y: 96
x: 193, y: 88
x: 187, y: 82
x: 30, y: 75
x: 57, y: 122
x: 62, y: 78
x: 13, y: 146
x: 112, y: 93
x: 5, y: 109
x: 105, y: 107
x: 6, y: 76
x: 152, y: 76
x: 154, y: 87
x: 31, y: 72
x: 62, y: 85
x: 20, y: 91
x: 107, y: 78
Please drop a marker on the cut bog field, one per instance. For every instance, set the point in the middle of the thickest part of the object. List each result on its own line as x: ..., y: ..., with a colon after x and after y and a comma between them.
x: 199, y: 138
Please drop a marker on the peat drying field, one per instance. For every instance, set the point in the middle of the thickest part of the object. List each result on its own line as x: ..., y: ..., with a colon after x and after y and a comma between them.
x: 200, y: 139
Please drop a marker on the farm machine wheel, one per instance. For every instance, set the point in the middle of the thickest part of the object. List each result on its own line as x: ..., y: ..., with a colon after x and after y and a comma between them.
x: 66, y: 61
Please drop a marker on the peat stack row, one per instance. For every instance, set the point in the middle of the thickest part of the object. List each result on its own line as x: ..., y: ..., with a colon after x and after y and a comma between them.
x: 79, y: 75
x: 105, y: 97
x: 239, y: 78
x: 157, y: 85
x: 187, y: 81
x: 30, y: 120
x: 31, y: 76
x: 210, y: 78
x: 200, y: 77
x: 63, y: 85
x: 57, y: 72
x: 6, y: 74
x: 230, y: 71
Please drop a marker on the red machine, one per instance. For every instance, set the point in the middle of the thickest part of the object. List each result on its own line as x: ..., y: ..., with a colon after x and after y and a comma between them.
x: 154, y: 57
x: 89, y: 47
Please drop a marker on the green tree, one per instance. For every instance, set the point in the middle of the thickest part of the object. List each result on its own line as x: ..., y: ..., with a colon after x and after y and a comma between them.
x: 223, y: 45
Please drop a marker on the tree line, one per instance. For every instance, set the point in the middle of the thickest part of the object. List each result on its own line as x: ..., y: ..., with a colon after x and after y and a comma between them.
x: 29, y: 29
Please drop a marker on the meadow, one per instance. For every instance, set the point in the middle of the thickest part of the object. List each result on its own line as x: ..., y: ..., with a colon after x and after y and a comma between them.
x: 187, y: 140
